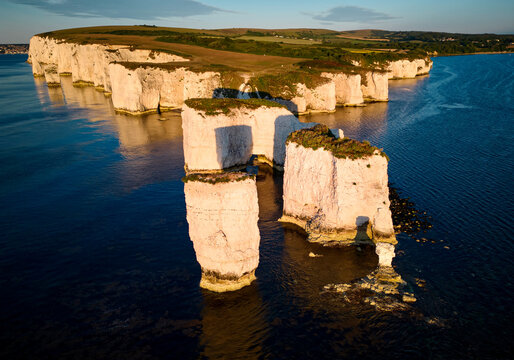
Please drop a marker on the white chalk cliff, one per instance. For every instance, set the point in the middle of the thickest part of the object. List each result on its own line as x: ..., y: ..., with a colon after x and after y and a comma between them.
x: 222, y: 217
x: 88, y: 63
x: 408, y: 69
x: 221, y: 139
x: 147, y: 88
x: 144, y: 80
x: 336, y: 198
x: 376, y: 86
x: 347, y: 87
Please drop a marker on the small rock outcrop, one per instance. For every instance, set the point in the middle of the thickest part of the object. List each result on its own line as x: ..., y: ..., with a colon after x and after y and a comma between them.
x: 222, y: 213
x: 222, y: 133
x: 336, y: 189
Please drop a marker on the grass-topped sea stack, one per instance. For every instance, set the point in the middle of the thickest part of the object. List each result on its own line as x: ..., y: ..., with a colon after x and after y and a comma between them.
x: 222, y: 133
x: 336, y: 189
x: 222, y: 213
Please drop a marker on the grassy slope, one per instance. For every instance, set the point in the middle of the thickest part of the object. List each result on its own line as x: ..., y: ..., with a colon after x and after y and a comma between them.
x: 229, y: 47
x: 244, y: 48
x: 199, y: 55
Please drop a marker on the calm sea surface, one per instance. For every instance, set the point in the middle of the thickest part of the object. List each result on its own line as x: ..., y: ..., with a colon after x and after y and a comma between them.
x: 96, y: 262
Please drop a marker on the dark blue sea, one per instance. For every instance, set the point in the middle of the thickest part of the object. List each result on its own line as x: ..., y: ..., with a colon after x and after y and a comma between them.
x: 96, y: 261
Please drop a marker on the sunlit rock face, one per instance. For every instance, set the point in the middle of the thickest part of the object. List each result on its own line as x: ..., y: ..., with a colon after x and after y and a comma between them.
x: 219, y: 140
x: 375, y: 87
x: 320, y: 98
x: 385, y: 252
x: 347, y: 88
x: 424, y: 66
x: 89, y: 63
x: 143, y: 89
x: 51, y: 75
x: 402, y: 69
x: 408, y: 69
x: 336, y: 199
x: 222, y: 213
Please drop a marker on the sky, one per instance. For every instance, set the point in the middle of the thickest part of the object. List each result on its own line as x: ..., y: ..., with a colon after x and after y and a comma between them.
x: 20, y: 19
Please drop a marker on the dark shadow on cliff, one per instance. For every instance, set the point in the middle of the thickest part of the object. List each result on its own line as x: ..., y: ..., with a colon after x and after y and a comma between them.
x: 234, y: 93
x: 362, y: 223
x: 234, y: 145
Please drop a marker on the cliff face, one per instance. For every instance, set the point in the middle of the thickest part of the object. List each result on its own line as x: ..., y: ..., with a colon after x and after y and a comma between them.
x: 347, y: 88
x: 402, y: 69
x: 376, y: 86
x: 334, y: 198
x: 319, y: 98
x: 407, y: 69
x: 148, y: 88
x: 424, y: 66
x: 51, y: 75
x: 88, y: 63
x: 222, y: 220
x: 221, y: 140
x: 161, y: 86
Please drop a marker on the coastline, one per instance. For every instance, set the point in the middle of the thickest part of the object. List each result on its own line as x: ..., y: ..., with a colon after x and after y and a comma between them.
x: 476, y: 53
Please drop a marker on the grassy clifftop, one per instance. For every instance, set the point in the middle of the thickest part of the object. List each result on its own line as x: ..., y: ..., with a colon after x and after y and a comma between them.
x: 225, y: 106
x: 320, y: 136
x: 255, y: 50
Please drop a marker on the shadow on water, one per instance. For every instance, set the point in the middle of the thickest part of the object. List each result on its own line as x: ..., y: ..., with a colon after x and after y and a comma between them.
x: 234, y: 325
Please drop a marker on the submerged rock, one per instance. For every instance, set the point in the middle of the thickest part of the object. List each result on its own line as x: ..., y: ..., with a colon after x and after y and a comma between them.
x: 382, y: 289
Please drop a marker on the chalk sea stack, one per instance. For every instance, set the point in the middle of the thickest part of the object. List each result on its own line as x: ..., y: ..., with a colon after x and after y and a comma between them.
x: 222, y: 133
x: 222, y: 213
x: 336, y: 189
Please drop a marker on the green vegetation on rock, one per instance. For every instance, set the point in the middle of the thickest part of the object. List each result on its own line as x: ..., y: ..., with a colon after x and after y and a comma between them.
x: 226, y: 105
x: 284, y: 85
x: 226, y: 177
x: 320, y: 136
